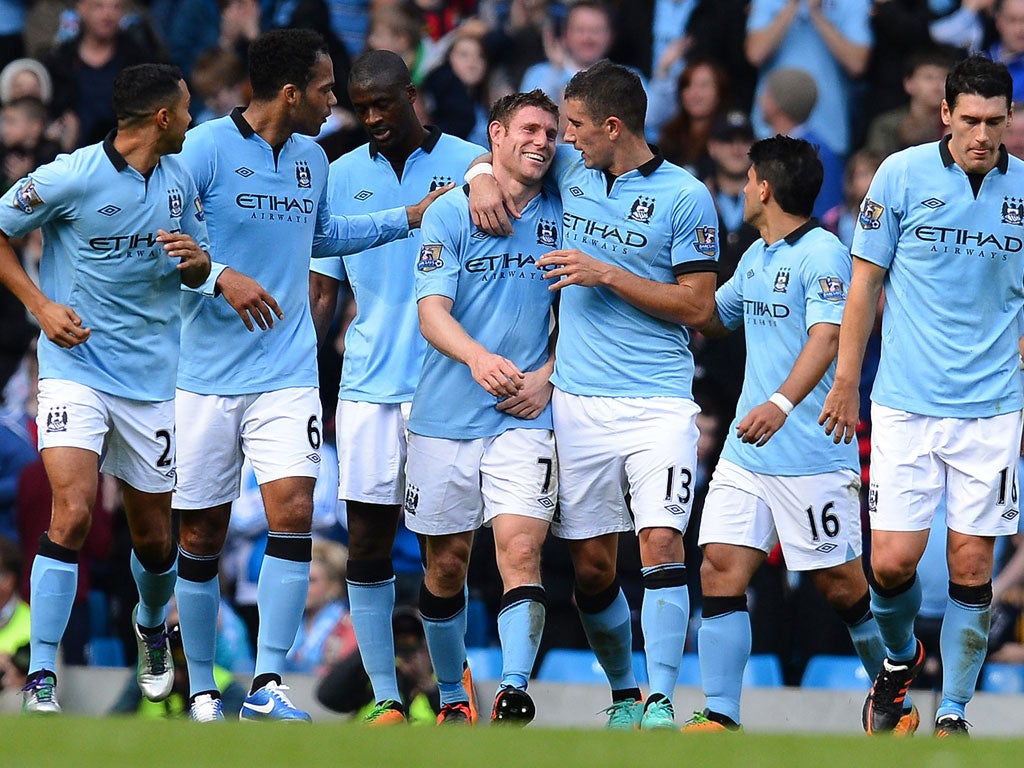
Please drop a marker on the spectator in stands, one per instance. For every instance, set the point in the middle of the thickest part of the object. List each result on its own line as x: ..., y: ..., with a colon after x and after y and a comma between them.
x: 200, y: 25
x: 516, y: 36
x: 829, y: 40
x: 703, y: 95
x: 25, y: 77
x: 841, y: 219
x: 23, y: 143
x: 83, y: 69
x: 1013, y: 136
x: 398, y: 29
x: 962, y: 24
x: 899, y: 29
x: 220, y: 83
x: 456, y: 93
x: 919, y: 121
x: 787, y: 101
x: 325, y: 606
x: 1009, y: 47
x: 14, y: 619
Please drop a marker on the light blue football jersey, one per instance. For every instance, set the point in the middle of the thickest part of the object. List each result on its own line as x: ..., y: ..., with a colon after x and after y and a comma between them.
x: 777, y: 293
x: 955, y: 282
x: 100, y: 219
x: 383, y: 346
x: 656, y: 221
x: 500, y: 298
x: 267, y: 214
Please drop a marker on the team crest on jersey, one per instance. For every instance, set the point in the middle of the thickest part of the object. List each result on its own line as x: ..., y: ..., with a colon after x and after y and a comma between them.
x: 870, y: 213
x: 439, y: 181
x: 832, y: 289
x: 430, y: 257
x: 57, y: 419
x: 781, y: 280
x: 547, y: 233
x: 174, y: 203
x: 642, y: 210
x: 412, y: 499
x: 26, y: 198
x: 200, y: 213
x: 1013, y: 211
x: 302, y: 177
x: 707, y: 241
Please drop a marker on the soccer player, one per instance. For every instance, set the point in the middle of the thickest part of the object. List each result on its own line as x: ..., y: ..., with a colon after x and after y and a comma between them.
x: 262, y: 182
x: 643, y: 267
x: 383, y: 347
x: 941, y: 231
x: 481, y: 447
x: 780, y: 478
x: 123, y: 230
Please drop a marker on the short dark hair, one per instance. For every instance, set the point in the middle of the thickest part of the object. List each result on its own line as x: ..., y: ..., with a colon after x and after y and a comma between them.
x: 142, y: 89
x: 794, y: 170
x: 610, y: 90
x: 283, y: 56
x: 31, y: 106
x: 979, y: 76
x: 379, y: 68
x: 504, y: 108
x: 942, y: 56
x: 10, y: 557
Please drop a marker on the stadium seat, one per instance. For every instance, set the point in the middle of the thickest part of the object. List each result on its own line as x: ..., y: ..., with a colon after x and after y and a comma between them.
x: 571, y: 665
x: 1002, y: 678
x: 763, y: 670
x: 105, y: 652
x: 485, y: 663
x: 844, y: 673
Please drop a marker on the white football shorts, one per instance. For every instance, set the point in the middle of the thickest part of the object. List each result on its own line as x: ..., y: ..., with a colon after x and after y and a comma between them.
x: 372, y: 441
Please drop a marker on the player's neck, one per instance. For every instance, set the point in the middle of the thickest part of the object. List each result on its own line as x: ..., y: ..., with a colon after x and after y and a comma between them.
x: 398, y: 155
x: 269, y: 121
x: 138, y: 148
x: 521, y: 193
x: 777, y: 224
x: 630, y: 153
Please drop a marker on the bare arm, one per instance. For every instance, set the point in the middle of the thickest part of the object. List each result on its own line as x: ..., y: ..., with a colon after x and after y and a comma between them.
x: 249, y: 299
x: 841, y: 411
x: 60, y: 323
x: 195, y: 262
x: 766, y: 419
x: 852, y: 57
x: 690, y: 301
x: 323, y: 301
x: 715, y: 328
x: 761, y: 44
x: 494, y: 373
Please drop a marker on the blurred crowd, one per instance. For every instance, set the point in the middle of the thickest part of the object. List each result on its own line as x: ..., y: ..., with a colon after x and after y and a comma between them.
x: 860, y: 79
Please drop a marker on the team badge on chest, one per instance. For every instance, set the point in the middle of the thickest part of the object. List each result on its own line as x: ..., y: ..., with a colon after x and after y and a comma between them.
x: 642, y: 210
x: 302, y: 176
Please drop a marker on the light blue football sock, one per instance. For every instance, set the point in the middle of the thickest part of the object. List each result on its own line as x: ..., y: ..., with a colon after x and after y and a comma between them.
x: 867, y: 642
x: 53, y: 587
x: 371, y: 606
x: 155, y: 590
x: 520, y: 626
x: 610, y: 635
x: 281, y: 599
x: 723, y: 644
x: 198, y: 608
x: 963, y: 642
x: 895, y: 614
x: 444, y: 624
x: 664, y: 617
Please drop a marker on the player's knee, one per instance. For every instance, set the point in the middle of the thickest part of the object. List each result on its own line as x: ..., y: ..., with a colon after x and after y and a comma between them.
x: 892, y: 569
x: 203, y: 533
x: 70, y: 525
x: 593, y: 576
x: 448, y: 568
x: 154, y: 551
x: 660, y: 545
x: 520, y: 553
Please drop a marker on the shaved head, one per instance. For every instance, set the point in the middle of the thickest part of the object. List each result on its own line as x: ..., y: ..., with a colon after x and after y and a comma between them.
x: 379, y: 69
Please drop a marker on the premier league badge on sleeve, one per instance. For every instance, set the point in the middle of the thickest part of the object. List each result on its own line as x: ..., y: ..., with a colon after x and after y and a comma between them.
x: 832, y: 289
x: 430, y: 257
x: 870, y: 213
x: 706, y: 243
x: 26, y: 198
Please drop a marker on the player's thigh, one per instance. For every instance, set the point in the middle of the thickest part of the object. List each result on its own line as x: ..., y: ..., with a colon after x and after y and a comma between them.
x: 72, y: 425
x: 282, y: 433
x: 443, y: 493
x: 591, y: 467
x: 519, y: 474
x: 817, y: 518
x: 661, y: 467
x: 209, y: 448
x: 907, y: 476
x: 372, y: 451
x: 736, y: 510
x: 141, y: 444
x: 981, y: 480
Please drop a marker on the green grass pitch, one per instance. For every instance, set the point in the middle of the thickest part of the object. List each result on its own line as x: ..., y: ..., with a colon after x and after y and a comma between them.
x: 72, y: 742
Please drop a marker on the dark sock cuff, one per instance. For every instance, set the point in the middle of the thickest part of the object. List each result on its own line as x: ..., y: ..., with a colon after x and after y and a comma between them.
x: 261, y: 680
x: 600, y: 601
x: 719, y: 606
x: 434, y: 608
x: 297, y: 547
x: 890, y: 592
x: 664, y: 576
x: 623, y: 694
x: 56, y: 551
x: 198, y: 568
x: 534, y: 592
x: 369, y: 571
x: 162, y: 566
x: 857, y: 613
x: 975, y: 597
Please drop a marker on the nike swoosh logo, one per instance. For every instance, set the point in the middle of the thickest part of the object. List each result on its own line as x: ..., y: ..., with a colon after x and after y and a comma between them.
x: 265, y: 709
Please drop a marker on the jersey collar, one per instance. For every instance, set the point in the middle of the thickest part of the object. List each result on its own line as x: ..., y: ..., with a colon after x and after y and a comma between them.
x: 644, y: 170
x: 241, y: 123
x: 1003, y: 163
x: 427, y: 145
x: 800, y: 231
x: 115, y: 157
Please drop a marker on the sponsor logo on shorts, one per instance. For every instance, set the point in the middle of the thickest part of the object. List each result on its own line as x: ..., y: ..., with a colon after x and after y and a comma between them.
x: 832, y: 289
x: 1010, y: 514
x: 870, y: 213
x: 26, y: 198
x: 1013, y: 211
x: 642, y: 210
x: 57, y: 419
x: 827, y: 547
x: 430, y: 257
x: 545, y: 502
x: 314, y: 457
x: 412, y: 499
x: 781, y: 280
x: 675, y: 509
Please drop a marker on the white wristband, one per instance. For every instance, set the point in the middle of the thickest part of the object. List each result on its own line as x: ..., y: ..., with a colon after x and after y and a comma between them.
x: 782, y: 402
x: 477, y: 169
